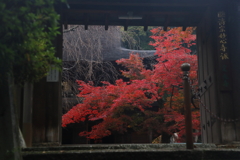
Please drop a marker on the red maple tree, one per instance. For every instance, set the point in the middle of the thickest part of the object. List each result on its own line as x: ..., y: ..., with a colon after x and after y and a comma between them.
x: 125, y: 106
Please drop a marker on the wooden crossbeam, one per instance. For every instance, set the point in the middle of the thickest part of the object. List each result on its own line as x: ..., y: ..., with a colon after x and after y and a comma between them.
x: 120, y: 12
x: 122, y: 23
x: 146, y: 3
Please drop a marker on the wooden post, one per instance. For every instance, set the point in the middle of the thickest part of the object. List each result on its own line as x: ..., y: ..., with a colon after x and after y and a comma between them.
x: 187, y: 103
x: 47, y: 106
x: 27, y: 113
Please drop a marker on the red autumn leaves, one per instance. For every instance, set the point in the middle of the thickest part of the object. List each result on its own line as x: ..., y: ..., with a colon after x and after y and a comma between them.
x: 126, y: 106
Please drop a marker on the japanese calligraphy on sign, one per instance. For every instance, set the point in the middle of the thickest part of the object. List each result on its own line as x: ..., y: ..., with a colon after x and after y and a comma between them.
x: 223, y: 52
x: 222, y: 35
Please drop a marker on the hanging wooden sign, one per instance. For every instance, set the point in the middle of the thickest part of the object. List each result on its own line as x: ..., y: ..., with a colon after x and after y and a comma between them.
x: 53, y: 75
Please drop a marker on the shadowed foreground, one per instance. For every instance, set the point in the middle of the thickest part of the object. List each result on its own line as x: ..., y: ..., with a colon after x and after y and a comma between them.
x: 133, y: 152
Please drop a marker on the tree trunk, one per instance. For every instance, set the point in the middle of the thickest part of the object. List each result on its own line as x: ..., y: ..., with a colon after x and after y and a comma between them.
x: 9, y: 128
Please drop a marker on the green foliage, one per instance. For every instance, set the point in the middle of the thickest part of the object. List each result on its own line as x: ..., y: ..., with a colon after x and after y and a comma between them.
x: 28, y: 28
x: 136, y: 38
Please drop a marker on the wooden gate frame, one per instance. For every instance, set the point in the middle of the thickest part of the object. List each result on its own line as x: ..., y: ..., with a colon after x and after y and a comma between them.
x: 203, y: 14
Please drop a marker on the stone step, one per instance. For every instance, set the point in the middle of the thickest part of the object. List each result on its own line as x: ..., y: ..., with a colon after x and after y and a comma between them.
x: 131, y: 152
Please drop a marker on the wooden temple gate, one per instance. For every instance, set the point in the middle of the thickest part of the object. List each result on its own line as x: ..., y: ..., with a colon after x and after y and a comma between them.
x: 218, y: 37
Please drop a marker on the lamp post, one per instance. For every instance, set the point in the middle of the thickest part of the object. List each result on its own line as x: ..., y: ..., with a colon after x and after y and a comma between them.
x: 187, y: 104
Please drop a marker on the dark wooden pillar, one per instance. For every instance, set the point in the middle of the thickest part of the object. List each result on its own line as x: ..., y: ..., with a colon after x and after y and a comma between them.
x: 206, y: 43
x: 216, y: 78
x: 224, y: 76
x: 47, y: 106
x: 27, y: 113
x: 234, y: 54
